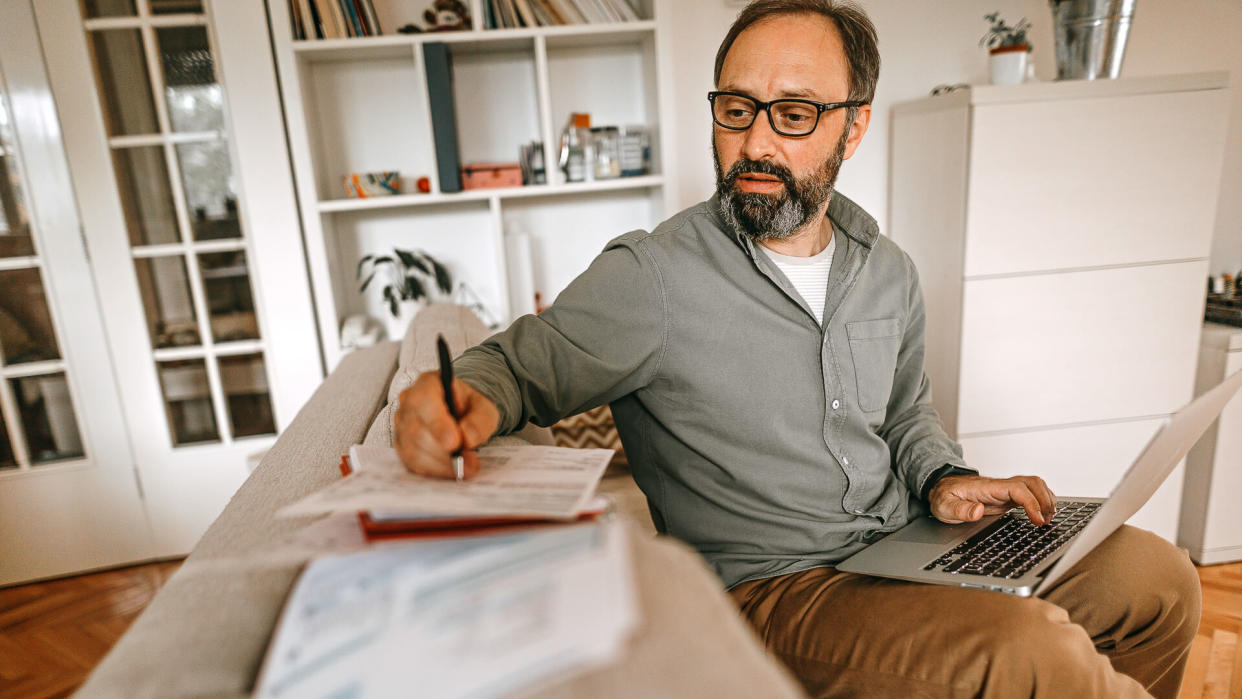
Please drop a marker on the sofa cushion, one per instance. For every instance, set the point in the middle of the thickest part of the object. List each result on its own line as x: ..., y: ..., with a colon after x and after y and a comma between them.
x: 461, y: 329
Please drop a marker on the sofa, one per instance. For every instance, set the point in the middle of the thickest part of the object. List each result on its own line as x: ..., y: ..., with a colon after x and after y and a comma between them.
x: 205, y: 633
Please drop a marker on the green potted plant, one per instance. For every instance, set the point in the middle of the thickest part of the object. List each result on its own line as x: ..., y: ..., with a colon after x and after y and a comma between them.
x: 413, y: 279
x: 1008, y: 50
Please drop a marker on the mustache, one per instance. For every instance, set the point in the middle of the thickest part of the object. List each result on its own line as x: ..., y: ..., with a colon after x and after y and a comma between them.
x: 760, y: 167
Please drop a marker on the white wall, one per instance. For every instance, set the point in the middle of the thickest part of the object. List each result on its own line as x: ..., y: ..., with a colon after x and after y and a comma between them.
x: 925, y: 43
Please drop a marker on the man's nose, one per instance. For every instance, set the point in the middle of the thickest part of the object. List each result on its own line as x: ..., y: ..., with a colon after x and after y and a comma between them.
x: 761, y: 140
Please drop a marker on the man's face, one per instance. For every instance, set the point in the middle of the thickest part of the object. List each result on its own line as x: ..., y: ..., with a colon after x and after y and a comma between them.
x: 772, y: 185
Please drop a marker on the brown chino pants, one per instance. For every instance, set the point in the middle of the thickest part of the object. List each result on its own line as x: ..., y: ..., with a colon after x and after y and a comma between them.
x: 1118, y: 624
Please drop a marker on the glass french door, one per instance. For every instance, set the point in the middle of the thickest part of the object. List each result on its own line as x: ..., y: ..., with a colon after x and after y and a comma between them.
x: 175, y: 144
x: 69, y: 494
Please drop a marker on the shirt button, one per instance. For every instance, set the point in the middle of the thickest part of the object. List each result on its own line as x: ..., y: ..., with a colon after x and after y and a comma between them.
x: 858, y: 512
x: 845, y: 461
x: 836, y: 404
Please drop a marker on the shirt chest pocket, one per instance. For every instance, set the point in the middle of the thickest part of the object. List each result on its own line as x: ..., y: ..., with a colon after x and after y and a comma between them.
x: 873, y: 347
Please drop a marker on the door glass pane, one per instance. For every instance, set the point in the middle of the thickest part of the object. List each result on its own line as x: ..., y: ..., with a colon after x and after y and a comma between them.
x: 124, y: 83
x: 187, y: 400
x: 169, y: 7
x: 245, y: 388
x: 146, y: 196
x: 167, y: 301
x: 210, y: 195
x: 195, y: 101
x: 7, y: 460
x: 15, y: 238
x: 108, y: 8
x: 229, y: 301
x: 47, y: 418
x: 26, y: 333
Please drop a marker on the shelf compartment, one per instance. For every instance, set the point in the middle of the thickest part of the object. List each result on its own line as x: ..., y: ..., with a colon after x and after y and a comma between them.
x: 462, y: 237
x: 388, y: 45
x: 368, y: 116
x: 529, y: 191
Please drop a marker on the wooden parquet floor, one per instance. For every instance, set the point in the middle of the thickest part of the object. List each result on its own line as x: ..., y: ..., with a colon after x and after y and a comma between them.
x: 53, y: 633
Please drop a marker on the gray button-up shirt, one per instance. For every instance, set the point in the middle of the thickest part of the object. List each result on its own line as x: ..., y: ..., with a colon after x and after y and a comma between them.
x: 770, y: 440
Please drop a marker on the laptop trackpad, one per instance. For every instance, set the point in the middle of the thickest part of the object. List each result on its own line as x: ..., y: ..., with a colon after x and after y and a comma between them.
x: 933, y: 531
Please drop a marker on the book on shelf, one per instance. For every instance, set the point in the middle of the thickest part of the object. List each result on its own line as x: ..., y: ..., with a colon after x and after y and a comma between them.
x: 443, y: 116
x: 526, y: 13
x: 567, y: 10
x: 332, y: 19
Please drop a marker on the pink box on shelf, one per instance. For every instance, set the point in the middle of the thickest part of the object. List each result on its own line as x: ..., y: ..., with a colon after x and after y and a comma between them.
x: 488, y: 175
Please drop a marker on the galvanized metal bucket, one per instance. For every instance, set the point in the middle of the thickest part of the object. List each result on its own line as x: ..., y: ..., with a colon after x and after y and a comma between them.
x: 1091, y: 37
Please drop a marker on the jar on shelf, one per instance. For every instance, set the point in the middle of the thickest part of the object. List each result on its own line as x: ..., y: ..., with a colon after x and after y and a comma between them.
x: 607, y: 152
x: 634, y: 146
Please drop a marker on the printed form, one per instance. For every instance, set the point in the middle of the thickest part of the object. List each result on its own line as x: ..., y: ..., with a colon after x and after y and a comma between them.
x: 526, y: 481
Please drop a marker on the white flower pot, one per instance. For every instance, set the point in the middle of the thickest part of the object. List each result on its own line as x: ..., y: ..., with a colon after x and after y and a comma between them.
x: 406, y: 310
x: 1008, y: 65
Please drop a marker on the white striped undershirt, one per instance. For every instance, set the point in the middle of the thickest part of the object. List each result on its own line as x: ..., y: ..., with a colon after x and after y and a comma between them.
x: 809, y: 275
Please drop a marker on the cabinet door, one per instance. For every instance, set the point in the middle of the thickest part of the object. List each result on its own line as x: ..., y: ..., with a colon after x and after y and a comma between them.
x: 172, y: 127
x: 69, y: 497
x: 1083, y: 461
x: 1223, y: 526
x: 1090, y: 182
x: 1059, y: 349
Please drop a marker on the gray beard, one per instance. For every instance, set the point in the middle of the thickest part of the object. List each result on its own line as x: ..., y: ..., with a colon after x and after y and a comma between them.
x: 776, y: 216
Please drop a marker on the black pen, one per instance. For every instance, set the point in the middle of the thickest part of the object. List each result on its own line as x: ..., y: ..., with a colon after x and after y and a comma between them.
x: 446, y: 378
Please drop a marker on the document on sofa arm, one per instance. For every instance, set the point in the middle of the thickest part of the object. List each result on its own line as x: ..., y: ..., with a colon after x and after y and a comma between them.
x: 472, y: 617
x: 517, y: 481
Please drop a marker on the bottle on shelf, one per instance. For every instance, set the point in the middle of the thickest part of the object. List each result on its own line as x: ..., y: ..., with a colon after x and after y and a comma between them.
x: 573, y: 154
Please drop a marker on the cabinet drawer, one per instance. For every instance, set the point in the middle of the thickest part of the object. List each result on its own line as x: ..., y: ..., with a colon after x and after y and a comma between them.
x: 1090, y: 182
x: 1060, y: 349
x: 1084, y: 461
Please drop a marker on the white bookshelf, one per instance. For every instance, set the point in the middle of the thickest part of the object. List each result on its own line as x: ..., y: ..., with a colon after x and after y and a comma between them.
x: 361, y: 105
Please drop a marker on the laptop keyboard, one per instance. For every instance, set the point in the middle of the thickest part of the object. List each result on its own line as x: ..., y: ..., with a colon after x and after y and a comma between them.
x: 1012, y: 545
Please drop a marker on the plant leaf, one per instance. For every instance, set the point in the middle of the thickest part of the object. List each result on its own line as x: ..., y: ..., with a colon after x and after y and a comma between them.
x: 361, y: 263
x: 444, y: 280
x: 419, y: 264
x: 416, y: 288
x: 367, y: 282
x: 406, y: 257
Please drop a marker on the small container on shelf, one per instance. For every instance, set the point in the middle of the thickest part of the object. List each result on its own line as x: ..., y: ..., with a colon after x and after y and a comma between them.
x: 372, y: 184
x: 607, y: 162
x: 490, y: 175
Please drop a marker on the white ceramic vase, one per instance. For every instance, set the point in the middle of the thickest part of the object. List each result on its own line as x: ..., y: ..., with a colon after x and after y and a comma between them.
x: 1007, y: 65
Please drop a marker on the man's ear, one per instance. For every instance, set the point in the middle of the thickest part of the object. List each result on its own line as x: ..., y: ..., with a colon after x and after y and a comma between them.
x: 857, y: 130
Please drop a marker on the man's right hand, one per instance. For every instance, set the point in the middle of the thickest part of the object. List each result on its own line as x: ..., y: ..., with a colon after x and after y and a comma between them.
x: 425, y: 434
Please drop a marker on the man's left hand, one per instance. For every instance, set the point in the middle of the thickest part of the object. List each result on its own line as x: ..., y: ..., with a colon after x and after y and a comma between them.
x: 966, y: 498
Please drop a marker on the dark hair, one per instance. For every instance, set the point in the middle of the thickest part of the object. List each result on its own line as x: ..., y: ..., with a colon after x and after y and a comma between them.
x: 857, y: 35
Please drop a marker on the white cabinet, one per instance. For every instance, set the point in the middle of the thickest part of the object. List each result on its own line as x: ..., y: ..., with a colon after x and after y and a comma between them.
x: 1211, y: 520
x: 361, y: 105
x: 1061, y: 232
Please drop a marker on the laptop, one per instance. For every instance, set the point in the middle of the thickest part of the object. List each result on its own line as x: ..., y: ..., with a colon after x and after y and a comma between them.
x: 1007, y: 552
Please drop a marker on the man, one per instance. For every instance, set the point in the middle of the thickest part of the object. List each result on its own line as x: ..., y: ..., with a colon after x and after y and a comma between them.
x: 763, y: 356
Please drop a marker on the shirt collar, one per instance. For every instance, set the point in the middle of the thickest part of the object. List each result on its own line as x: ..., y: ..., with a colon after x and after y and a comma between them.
x: 848, y: 217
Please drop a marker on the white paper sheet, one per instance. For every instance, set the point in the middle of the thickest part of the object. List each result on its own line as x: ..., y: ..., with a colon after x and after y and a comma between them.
x: 551, y: 482
x: 471, y: 617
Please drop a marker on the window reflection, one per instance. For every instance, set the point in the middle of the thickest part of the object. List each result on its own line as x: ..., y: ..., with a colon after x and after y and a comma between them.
x: 146, y: 195
x: 169, y: 7
x: 108, y: 8
x: 187, y: 400
x: 166, y: 298
x: 7, y: 460
x: 15, y: 238
x: 124, y: 83
x: 245, y: 388
x: 50, y: 427
x: 195, y: 101
x: 226, y: 280
x: 210, y: 193
x: 26, y: 332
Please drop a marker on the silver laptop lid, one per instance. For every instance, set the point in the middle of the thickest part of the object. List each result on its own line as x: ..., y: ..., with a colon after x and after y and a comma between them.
x: 1167, y: 447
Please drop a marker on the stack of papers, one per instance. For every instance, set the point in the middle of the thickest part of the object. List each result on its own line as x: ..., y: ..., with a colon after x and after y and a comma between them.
x: 517, y: 483
x: 477, y: 616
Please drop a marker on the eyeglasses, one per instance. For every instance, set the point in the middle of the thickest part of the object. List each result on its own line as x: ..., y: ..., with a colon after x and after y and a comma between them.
x: 789, y: 117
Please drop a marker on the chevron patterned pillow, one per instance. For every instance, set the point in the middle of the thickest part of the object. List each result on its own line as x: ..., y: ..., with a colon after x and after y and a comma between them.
x: 593, y: 429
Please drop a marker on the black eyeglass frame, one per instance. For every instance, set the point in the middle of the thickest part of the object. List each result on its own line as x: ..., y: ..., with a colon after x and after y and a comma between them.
x: 820, y: 108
